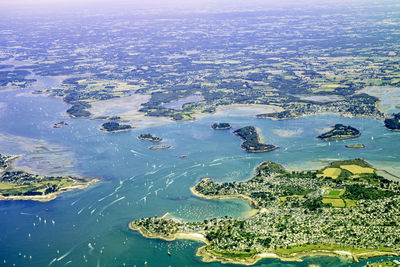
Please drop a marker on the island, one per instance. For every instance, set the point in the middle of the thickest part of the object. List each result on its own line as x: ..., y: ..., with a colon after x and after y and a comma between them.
x: 113, y: 127
x: 21, y: 185
x: 252, y: 140
x: 149, y: 137
x: 340, y: 132
x: 60, y: 124
x: 393, y: 123
x: 221, y: 126
x: 160, y: 147
x: 344, y: 209
x: 356, y: 146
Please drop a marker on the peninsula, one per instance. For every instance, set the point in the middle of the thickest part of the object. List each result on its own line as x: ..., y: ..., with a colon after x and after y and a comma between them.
x: 149, y: 137
x: 340, y: 132
x: 252, y: 140
x: 113, y: 127
x: 393, y: 123
x: 336, y: 210
x: 21, y: 185
x: 221, y: 126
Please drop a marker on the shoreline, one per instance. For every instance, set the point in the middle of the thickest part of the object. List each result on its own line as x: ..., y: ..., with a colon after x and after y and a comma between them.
x: 338, y: 138
x: 115, y: 131
x: 51, y: 196
x: 260, y: 139
x: 261, y: 151
x: 190, y: 235
x: 251, y: 202
x: 207, y: 256
x: 345, y: 115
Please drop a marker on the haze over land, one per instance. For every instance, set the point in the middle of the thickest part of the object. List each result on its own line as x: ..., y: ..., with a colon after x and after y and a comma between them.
x: 174, y: 6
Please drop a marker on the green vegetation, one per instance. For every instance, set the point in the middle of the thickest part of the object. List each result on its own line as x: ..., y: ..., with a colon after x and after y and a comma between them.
x: 320, y: 56
x: 3, y: 161
x: 393, y: 123
x: 382, y: 264
x: 358, y: 192
x: 356, y: 105
x: 78, y: 110
x: 221, y: 126
x: 340, y: 132
x: 160, y: 147
x: 298, y: 213
x: 355, y: 146
x: 149, y: 137
x: 22, y: 184
x: 252, y: 141
x: 15, y: 78
x: 113, y: 127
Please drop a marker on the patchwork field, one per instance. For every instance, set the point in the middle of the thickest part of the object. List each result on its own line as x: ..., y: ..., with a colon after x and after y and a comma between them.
x: 336, y: 202
x: 330, y: 172
x: 355, y: 169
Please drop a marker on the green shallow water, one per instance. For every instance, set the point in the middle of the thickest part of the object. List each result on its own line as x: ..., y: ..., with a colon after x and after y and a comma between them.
x: 90, y: 227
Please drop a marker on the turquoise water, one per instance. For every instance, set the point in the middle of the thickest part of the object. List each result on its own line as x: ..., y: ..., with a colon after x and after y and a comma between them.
x: 91, y: 226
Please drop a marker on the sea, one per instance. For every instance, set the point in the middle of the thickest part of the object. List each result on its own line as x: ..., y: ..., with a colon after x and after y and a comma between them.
x: 90, y: 227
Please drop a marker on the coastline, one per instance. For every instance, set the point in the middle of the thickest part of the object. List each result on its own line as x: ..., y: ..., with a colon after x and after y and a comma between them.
x: 261, y: 151
x: 115, y: 131
x: 296, y: 253
x: 251, y: 202
x: 338, y: 138
x: 207, y: 256
x: 52, y: 196
x: 345, y: 115
x: 190, y: 236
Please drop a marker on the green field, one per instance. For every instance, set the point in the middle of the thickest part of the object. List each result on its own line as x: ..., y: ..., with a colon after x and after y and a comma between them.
x: 335, y: 202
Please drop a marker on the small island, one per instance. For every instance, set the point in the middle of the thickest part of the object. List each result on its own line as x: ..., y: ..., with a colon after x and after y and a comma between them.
x: 149, y: 137
x: 21, y: 185
x: 356, y: 146
x: 221, y: 126
x: 60, y: 124
x: 160, y: 147
x: 336, y: 210
x: 252, y: 140
x: 393, y: 123
x: 113, y: 127
x: 340, y: 132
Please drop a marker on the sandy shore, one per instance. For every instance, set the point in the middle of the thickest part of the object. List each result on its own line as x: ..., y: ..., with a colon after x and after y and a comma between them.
x: 252, y: 203
x: 240, y: 110
x: 42, y: 198
x: 209, y: 256
x: 51, y: 196
x: 190, y: 235
x: 127, y: 108
x: 115, y: 131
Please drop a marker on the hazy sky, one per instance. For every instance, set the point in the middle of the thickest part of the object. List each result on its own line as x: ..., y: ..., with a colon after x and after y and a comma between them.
x: 165, y: 5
